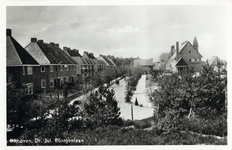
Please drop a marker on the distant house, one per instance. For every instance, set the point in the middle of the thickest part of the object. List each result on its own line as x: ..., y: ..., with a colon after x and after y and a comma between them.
x: 109, y: 63
x: 188, y: 57
x: 56, y: 67
x: 21, y: 65
x: 93, y: 64
x: 82, y: 65
x: 145, y: 64
x: 215, y: 62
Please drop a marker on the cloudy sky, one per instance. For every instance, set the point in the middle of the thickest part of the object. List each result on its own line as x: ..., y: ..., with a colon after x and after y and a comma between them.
x: 123, y: 31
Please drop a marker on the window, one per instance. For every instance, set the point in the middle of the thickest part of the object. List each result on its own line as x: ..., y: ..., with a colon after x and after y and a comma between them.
x: 61, y: 68
x: 42, y: 69
x: 190, y: 60
x: 29, y: 70
x: 23, y: 70
x: 67, y: 68
x: 29, y: 89
x: 43, y: 83
x: 189, y: 51
x: 51, y: 68
x: 51, y: 82
x: 195, y: 59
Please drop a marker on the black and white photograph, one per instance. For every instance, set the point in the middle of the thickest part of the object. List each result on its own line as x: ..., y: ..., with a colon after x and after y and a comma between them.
x: 116, y: 75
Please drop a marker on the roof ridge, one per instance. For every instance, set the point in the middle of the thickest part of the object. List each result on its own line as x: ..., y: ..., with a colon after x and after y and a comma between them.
x: 15, y: 50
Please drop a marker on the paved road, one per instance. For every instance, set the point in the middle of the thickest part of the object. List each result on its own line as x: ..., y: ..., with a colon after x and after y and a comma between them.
x: 140, y: 93
x: 125, y: 108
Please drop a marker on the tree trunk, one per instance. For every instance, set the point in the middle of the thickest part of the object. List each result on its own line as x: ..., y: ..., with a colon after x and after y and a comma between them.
x: 190, y: 111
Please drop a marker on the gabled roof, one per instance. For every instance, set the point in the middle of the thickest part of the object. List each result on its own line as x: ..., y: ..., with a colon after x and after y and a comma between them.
x: 48, y: 53
x: 96, y: 62
x: 17, y: 55
x: 73, y: 53
x: 101, y: 62
x: 213, y: 61
x: 181, y: 62
x: 191, y: 46
x: 63, y: 55
x: 90, y: 55
x: 78, y: 60
x: 107, y: 60
x: 112, y: 61
x: 85, y: 61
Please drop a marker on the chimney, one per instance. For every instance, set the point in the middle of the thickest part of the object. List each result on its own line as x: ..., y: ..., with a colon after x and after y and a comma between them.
x: 52, y: 43
x: 85, y: 52
x: 33, y: 40
x: 172, y: 49
x: 57, y: 45
x: 8, y: 32
x: 76, y: 50
x: 40, y: 41
x: 65, y: 49
x: 177, y: 51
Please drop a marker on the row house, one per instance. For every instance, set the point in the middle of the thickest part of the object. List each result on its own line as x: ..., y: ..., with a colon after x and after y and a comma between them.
x: 88, y: 63
x: 109, y: 62
x: 98, y: 65
x: 188, y: 57
x: 217, y: 64
x: 56, y: 67
x: 21, y: 66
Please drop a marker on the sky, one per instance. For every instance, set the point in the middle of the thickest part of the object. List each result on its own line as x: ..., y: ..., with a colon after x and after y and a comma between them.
x: 144, y: 31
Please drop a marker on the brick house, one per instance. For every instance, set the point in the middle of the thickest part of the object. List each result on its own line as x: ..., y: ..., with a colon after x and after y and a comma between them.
x: 188, y: 57
x: 21, y: 65
x: 56, y: 67
x: 109, y: 63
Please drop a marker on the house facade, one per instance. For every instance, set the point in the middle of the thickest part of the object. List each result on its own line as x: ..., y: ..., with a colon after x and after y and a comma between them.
x: 188, y: 57
x: 109, y: 63
x: 56, y: 67
x: 21, y: 66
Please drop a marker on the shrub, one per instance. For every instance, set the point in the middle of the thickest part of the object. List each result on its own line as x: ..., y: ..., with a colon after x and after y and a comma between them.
x: 102, y: 107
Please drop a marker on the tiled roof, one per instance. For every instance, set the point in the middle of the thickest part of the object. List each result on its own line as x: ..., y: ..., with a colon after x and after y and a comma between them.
x: 16, y: 54
x: 112, y: 61
x: 96, y: 62
x: 90, y: 55
x: 107, y: 60
x: 85, y: 61
x: 64, y: 55
x: 54, y: 54
x: 78, y: 60
x: 73, y: 53
x: 101, y: 62
x: 191, y: 46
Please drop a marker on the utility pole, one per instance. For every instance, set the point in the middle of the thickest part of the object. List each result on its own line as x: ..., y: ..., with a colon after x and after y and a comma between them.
x: 132, y: 112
